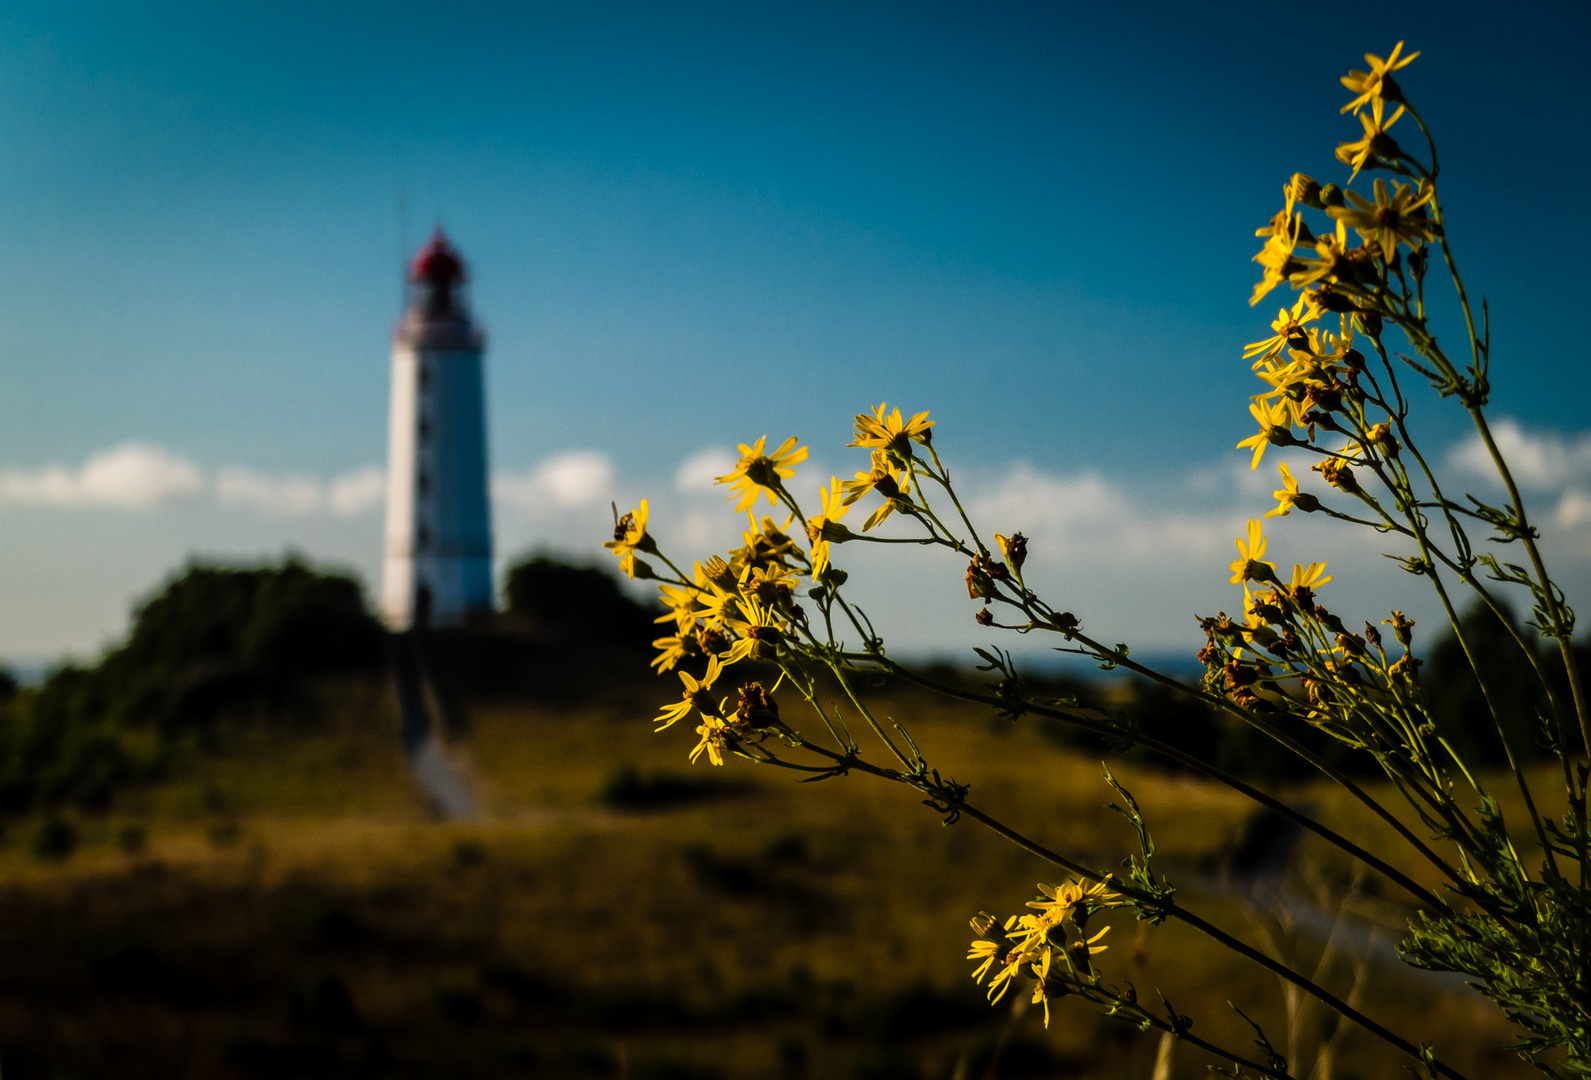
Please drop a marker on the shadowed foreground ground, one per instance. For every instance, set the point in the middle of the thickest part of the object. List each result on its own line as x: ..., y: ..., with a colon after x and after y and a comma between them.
x: 290, y: 909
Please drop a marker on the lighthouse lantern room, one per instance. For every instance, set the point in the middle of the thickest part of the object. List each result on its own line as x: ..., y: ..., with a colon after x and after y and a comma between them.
x: 438, y: 565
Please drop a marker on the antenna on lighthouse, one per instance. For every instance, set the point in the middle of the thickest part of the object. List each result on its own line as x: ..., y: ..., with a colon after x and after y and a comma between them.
x: 403, y: 242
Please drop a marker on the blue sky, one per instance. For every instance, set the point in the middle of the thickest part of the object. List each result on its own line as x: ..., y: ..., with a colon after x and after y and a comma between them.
x: 693, y: 224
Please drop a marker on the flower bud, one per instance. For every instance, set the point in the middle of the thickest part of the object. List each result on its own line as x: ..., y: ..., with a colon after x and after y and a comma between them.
x: 979, y: 585
x: 1304, y: 189
x: 718, y: 572
x: 1317, y: 418
x: 756, y: 707
x: 1381, y: 437
x: 1330, y: 195
x: 835, y: 532
x: 1014, y: 548
x: 1337, y: 473
x: 1408, y: 666
x: 711, y: 640
x: 1331, y: 300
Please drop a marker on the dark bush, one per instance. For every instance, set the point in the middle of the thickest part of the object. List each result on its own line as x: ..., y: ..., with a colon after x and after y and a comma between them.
x: 629, y: 789
x: 578, y: 601
x: 54, y: 839
x: 1454, y: 696
x: 214, y: 642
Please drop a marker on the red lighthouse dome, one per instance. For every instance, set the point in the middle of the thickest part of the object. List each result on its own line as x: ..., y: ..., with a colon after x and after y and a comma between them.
x: 437, y: 264
x: 438, y: 314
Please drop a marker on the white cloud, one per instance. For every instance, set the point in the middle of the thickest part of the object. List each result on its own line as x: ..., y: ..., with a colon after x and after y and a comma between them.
x: 1573, y: 509
x: 700, y: 471
x: 1133, y: 556
x: 132, y: 476
x: 1085, y: 514
x: 1540, y: 460
x: 138, y: 476
x: 575, y: 478
x: 354, y: 492
x: 289, y: 495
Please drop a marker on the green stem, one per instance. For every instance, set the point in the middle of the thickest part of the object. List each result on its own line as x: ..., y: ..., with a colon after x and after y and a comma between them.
x: 1210, y: 930
x: 1303, y: 752
x: 1554, y: 613
x: 1170, y: 908
x: 1154, y: 745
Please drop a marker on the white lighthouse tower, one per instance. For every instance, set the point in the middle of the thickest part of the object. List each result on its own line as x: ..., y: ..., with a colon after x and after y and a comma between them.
x: 438, y: 567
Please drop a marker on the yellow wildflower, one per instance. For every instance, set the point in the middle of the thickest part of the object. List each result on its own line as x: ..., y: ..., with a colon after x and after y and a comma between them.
x: 715, y: 735
x: 1287, y: 329
x: 988, y: 952
x: 1276, y: 259
x: 681, y: 602
x: 1309, y: 577
x: 1041, y: 983
x: 1375, y: 143
x: 761, y: 630
x: 1377, y: 83
x: 1274, y: 420
x: 889, y: 432
x: 694, y: 696
x: 1287, y: 496
x: 671, y: 650
x: 759, y: 473
x: 717, y: 603
x: 772, y: 584
x: 630, y: 536
x: 826, y: 528
x: 1001, y: 982
x: 1393, y: 218
x: 1062, y: 901
x: 1248, y: 566
x: 1331, y: 261
x: 888, y: 481
x: 766, y: 545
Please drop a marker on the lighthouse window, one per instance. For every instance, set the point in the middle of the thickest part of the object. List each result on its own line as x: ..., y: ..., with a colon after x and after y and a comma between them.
x: 422, y: 538
x: 422, y: 483
x: 425, y: 376
x: 425, y: 428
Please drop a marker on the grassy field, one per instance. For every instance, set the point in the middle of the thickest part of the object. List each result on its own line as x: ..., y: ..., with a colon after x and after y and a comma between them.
x: 289, y: 908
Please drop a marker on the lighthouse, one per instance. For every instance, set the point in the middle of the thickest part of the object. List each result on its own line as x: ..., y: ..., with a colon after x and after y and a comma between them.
x: 438, y: 565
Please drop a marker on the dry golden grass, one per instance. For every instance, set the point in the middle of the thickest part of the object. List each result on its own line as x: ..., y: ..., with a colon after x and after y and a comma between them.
x: 294, y: 911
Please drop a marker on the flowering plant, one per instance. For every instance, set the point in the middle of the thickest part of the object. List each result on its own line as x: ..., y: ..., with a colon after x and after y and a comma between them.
x: 1512, y: 912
